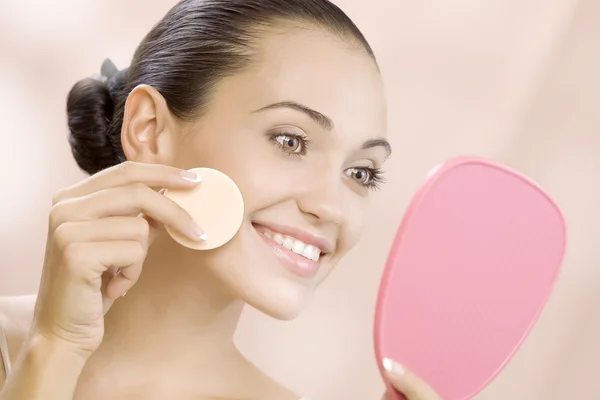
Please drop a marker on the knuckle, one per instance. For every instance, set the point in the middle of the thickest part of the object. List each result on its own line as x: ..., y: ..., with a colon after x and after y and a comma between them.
x: 62, y: 236
x: 139, y: 251
x: 55, y: 217
x: 142, y: 230
x: 59, y: 196
x: 126, y: 169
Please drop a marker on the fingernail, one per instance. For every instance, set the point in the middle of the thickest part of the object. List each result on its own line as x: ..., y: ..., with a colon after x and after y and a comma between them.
x: 197, y: 232
x: 123, y: 295
x: 392, y: 367
x: 190, y: 176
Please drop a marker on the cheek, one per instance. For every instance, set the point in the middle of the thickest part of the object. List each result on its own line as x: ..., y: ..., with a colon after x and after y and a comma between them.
x: 354, y: 227
x: 239, y: 154
x: 265, y: 184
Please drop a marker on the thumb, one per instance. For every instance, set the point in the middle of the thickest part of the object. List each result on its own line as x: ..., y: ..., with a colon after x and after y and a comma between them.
x: 407, y: 383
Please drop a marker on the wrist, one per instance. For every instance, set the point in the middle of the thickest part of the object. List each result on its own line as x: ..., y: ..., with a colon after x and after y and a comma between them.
x: 46, y: 368
x: 55, y: 347
x: 51, y: 350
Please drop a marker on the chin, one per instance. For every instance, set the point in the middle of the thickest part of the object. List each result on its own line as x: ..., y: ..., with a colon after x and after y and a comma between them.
x: 262, y: 268
x: 281, y: 306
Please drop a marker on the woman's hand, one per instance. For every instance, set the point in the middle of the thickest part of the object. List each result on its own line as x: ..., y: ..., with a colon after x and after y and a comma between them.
x: 407, y: 383
x: 99, y: 234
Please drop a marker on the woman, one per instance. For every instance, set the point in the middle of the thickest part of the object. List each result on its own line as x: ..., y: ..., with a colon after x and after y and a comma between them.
x: 285, y: 97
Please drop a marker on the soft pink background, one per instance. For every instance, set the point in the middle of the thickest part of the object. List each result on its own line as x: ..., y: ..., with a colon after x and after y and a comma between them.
x: 514, y: 80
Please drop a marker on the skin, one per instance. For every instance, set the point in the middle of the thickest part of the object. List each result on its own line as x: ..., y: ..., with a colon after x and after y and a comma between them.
x: 195, y: 298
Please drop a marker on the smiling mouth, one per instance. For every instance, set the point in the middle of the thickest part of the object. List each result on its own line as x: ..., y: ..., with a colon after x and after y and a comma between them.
x: 301, y: 257
x: 308, y: 251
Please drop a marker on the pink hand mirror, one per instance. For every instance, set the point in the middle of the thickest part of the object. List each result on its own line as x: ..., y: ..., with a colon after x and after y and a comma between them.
x: 473, y: 263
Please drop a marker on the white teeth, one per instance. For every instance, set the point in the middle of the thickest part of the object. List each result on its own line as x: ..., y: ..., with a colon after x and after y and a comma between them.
x: 278, y: 237
x: 308, y: 252
x: 316, y: 254
x: 288, y: 243
x: 298, y: 247
x: 305, y: 250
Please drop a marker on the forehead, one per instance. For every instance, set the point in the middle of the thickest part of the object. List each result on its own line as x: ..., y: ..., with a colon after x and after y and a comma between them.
x: 319, y: 70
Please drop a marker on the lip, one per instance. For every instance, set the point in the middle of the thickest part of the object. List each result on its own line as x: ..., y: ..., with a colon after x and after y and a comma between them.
x: 296, y: 263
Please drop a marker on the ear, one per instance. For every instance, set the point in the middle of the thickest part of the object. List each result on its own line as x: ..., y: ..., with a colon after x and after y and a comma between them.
x: 148, y: 127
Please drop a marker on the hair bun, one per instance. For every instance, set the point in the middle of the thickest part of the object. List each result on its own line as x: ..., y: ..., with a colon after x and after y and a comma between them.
x: 90, y: 110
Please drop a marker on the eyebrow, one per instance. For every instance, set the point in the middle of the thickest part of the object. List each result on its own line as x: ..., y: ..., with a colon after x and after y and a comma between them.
x: 369, y: 144
x: 326, y: 123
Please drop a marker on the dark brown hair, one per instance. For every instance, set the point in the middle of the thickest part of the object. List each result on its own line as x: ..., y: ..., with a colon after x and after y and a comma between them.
x: 183, y: 56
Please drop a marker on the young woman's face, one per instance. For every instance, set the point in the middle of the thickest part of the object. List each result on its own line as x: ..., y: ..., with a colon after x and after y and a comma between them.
x: 302, y: 134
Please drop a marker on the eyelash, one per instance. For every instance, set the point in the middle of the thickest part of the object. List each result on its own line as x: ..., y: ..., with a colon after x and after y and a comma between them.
x: 376, y: 178
x: 375, y: 174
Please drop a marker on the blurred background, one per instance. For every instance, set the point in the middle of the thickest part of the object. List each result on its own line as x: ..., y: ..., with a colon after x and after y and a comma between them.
x: 514, y: 80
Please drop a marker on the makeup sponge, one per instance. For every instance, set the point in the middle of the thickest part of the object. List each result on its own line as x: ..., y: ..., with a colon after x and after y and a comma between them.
x: 216, y: 204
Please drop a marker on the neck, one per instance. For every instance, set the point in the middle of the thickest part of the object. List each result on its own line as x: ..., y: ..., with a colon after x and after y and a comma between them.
x: 178, y: 313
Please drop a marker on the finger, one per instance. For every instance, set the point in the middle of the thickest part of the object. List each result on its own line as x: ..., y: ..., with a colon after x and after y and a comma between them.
x: 152, y: 175
x: 101, y: 260
x: 103, y: 229
x: 91, y: 260
x: 407, y: 383
x: 123, y: 281
x: 107, y: 276
x: 126, y: 200
x: 155, y: 226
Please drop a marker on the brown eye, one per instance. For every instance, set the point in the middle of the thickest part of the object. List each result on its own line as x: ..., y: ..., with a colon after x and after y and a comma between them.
x: 361, y: 175
x: 290, y: 144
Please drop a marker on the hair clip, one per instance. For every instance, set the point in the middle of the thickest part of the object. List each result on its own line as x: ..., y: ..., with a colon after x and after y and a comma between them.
x: 108, y: 69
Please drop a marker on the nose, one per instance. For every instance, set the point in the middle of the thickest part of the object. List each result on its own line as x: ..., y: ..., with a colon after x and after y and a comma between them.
x: 323, y: 201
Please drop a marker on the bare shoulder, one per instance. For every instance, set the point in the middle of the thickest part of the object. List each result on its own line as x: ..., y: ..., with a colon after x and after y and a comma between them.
x: 16, y: 314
